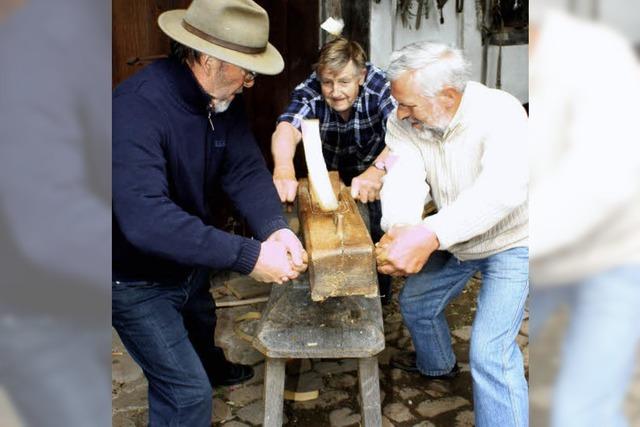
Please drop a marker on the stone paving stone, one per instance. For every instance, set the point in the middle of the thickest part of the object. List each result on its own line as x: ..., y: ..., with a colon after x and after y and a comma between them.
x: 124, y: 369
x: 438, y: 387
x: 522, y: 341
x: 395, y: 317
x: 243, y: 395
x: 385, y: 355
x: 116, y: 342
x: 406, y: 393
x: 432, y: 408
x: 464, y: 333
x: 435, y: 394
x: 254, y: 413
x: 139, y: 386
x: 425, y: 424
x: 338, y: 367
x: 343, y: 417
x: 386, y: 422
x: 464, y: 367
x: 247, y: 356
x: 524, y: 329
x: 326, y: 399
x: 135, y: 399
x: 381, y: 374
x: 123, y: 419
x: 397, y: 412
x: 342, y: 381
x: 404, y: 343
x: 398, y: 374
x: 308, y: 381
x: 391, y: 336
x: 221, y: 411
x: 465, y: 419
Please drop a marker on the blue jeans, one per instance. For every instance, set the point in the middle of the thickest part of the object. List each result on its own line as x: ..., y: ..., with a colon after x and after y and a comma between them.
x: 599, y: 351
x: 168, y: 328
x: 499, y: 387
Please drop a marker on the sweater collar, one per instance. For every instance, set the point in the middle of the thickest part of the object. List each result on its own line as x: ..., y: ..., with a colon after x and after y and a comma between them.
x: 189, y: 92
x: 457, y: 119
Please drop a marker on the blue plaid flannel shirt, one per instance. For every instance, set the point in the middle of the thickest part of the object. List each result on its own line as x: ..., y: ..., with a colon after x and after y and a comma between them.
x: 349, y: 147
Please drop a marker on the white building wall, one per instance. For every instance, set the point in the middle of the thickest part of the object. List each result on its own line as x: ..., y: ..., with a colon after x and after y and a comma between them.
x: 388, y: 34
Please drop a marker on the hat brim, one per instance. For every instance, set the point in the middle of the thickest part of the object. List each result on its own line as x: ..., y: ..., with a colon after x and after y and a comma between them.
x: 269, y: 62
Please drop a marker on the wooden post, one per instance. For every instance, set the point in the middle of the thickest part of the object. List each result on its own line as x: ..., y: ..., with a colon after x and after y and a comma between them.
x: 273, y: 395
x: 370, y: 391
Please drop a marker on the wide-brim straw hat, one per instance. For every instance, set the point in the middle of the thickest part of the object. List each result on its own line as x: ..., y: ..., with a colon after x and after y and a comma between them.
x: 234, y: 31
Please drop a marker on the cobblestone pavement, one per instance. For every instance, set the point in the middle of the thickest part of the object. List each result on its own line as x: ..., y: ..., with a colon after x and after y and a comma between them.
x: 407, y: 399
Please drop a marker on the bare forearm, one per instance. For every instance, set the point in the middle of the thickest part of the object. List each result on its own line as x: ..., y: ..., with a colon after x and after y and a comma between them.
x: 283, y: 144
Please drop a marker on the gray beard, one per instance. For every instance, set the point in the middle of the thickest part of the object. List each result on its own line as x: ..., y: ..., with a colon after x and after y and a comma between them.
x: 430, y: 133
x: 221, y: 106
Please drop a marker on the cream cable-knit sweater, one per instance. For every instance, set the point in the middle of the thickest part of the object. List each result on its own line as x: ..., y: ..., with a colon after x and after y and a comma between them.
x: 477, y: 176
x: 584, y: 153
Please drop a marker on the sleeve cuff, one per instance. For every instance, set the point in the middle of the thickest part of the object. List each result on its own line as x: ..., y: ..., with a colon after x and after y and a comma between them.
x: 273, y: 225
x: 248, y: 257
x: 434, y: 224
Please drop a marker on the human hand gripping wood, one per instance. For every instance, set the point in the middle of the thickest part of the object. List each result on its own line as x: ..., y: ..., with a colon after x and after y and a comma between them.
x: 405, y: 249
x: 273, y: 264
x: 297, y: 256
x: 366, y: 186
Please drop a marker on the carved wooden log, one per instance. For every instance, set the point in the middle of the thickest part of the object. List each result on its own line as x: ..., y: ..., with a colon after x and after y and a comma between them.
x: 341, y: 252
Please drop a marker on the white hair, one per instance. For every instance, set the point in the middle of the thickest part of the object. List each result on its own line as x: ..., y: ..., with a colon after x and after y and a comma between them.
x: 436, y: 65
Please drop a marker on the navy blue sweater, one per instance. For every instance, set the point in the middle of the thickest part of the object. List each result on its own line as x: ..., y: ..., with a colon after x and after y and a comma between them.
x: 167, y: 164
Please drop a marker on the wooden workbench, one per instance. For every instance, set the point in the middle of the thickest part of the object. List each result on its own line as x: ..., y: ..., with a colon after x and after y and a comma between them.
x: 293, y: 326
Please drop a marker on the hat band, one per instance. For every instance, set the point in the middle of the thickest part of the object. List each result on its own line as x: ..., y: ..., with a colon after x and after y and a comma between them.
x: 229, y: 45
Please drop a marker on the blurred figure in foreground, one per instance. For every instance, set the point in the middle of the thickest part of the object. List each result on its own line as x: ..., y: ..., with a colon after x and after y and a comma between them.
x: 55, y: 86
x: 585, y: 211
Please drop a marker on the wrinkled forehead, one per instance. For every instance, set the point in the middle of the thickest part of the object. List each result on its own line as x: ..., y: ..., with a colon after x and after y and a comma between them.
x: 406, y: 90
x: 330, y: 73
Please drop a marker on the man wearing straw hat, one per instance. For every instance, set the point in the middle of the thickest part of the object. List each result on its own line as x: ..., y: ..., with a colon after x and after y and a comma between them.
x: 179, y: 135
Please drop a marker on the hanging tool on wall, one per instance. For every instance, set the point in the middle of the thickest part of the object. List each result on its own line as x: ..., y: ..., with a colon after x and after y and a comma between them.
x: 423, y: 8
x: 460, y: 16
x: 441, y: 4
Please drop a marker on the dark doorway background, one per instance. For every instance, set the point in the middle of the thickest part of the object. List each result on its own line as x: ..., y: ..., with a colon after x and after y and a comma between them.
x: 293, y: 30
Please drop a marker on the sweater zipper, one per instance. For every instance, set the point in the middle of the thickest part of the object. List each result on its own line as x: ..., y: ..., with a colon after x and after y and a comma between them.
x: 209, y: 117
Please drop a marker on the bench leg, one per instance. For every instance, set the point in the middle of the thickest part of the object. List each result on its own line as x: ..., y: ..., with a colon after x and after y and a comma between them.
x: 370, y: 391
x: 273, y: 392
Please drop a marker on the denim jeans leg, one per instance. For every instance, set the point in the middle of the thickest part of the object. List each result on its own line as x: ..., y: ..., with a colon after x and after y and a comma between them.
x: 499, y: 386
x: 600, y: 350
x: 148, y: 319
x: 423, y: 299
x: 200, y: 320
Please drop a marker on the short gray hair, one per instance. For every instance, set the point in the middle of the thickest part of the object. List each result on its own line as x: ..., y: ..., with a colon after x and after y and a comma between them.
x: 437, y: 65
